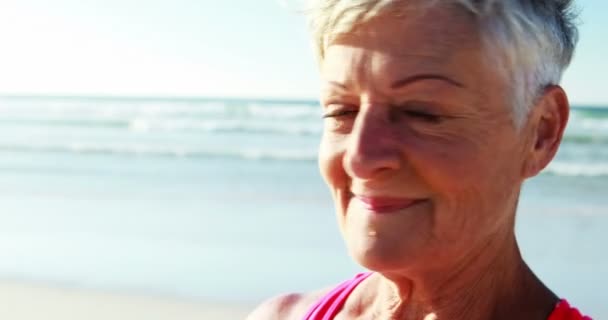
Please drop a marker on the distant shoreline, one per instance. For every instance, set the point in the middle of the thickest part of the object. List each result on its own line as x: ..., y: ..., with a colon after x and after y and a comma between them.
x: 190, y: 99
x: 184, y: 99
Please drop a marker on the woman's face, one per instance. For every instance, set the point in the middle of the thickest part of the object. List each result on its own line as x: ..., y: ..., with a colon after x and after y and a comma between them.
x: 419, y: 148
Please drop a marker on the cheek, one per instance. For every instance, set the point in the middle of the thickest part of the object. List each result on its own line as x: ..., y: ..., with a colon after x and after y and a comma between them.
x: 331, y: 154
x: 330, y: 163
x: 445, y: 167
x: 464, y: 158
x: 473, y: 185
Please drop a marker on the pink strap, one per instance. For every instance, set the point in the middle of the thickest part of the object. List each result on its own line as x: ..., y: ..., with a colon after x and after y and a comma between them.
x: 328, y: 306
x: 563, y: 311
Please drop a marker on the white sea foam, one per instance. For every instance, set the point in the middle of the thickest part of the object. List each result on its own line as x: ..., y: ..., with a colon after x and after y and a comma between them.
x: 141, y: 124
x: 578, y: 169
x: 151, y: 108
x: 245, y: 153
x: 284, y: 112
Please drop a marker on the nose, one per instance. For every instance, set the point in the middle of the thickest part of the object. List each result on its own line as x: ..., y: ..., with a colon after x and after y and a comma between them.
x: 372, y: 147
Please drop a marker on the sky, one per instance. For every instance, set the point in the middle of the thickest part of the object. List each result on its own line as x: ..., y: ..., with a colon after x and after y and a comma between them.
x: 236, y: 48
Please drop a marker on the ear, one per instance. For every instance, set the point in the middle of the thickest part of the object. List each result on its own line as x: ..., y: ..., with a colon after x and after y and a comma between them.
x: 547, y: 122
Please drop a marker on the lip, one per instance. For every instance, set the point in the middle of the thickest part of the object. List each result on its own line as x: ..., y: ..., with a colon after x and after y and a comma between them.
x: 385, y: 205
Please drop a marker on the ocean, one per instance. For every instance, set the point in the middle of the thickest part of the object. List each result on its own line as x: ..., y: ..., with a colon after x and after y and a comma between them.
x: 211, y: 198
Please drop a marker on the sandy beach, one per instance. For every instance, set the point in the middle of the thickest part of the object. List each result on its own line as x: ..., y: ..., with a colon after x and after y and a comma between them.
x: 29, y: 302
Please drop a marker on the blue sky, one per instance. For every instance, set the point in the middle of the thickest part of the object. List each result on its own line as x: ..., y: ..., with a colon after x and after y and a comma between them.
x: 237, y: 48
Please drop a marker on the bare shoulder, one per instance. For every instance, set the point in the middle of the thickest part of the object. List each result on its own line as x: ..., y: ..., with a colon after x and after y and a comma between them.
x: 291, y: 306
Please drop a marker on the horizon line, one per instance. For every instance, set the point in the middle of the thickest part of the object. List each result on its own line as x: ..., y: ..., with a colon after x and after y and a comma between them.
x: 160, y: 97
x: 207, y: 98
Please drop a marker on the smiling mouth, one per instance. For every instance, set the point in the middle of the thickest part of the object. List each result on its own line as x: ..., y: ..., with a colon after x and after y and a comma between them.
x: 385, y: 205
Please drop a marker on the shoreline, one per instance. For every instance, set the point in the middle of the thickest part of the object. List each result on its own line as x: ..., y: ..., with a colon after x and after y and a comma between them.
x: 26, y: 301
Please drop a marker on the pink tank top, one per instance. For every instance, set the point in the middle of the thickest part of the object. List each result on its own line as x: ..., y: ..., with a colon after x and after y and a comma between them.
x: 329, y: 306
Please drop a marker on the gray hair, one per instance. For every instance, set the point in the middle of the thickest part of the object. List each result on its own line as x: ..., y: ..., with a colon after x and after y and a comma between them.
x: 530, y: 41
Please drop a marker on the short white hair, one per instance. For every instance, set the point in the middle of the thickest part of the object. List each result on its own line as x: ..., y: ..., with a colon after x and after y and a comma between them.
x: 531, y: 42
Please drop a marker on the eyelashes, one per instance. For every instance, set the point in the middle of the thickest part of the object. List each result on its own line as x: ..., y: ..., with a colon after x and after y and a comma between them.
x: 424, y: 116
x: 413, y: 114
x: 339, y: 113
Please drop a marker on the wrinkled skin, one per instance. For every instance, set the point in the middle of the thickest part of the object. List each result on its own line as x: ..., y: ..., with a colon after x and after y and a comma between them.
x: 445, y: 138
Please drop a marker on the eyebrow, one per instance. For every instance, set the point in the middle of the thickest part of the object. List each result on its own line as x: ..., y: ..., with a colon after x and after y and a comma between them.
x: 409, y: 80
x: 406, y: 81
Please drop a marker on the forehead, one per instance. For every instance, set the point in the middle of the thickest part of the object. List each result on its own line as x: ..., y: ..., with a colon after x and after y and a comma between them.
x: 440, y: 27
x: 426, y: 40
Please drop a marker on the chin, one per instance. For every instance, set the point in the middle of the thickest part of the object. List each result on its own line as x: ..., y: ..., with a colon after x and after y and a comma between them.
x: 389, y: 242
x: 382, y: 255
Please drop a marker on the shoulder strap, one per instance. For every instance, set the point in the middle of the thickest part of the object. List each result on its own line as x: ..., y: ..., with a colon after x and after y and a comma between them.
x: 330, y: 304
x: 563, y: 311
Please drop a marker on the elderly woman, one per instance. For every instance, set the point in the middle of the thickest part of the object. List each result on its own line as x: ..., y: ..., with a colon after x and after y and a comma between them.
x: 435, y: 113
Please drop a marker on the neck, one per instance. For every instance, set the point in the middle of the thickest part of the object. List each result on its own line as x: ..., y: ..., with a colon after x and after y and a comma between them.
x: 490, y: 283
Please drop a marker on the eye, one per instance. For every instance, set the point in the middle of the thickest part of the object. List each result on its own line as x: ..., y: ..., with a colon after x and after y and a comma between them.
x: 421, y: 111
x: 340, y: 111
x: 339, y: 118
x: 423, y: 116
